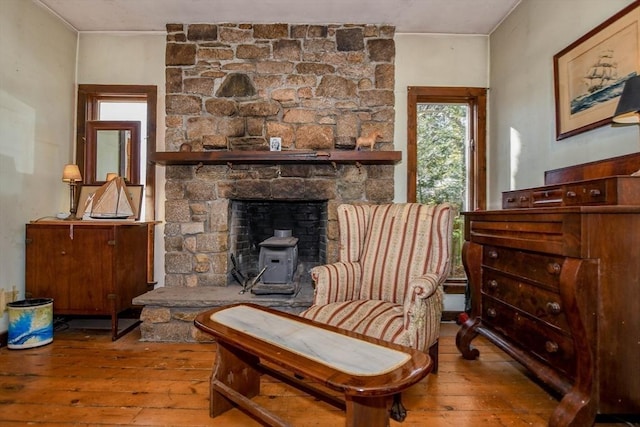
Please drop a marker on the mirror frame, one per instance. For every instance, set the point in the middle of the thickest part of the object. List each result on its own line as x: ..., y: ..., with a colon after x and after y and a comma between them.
x: 91, y: 150
x: 87, y: 109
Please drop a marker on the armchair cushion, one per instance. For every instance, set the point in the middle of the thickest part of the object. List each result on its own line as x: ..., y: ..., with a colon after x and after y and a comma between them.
x: 374, y: 318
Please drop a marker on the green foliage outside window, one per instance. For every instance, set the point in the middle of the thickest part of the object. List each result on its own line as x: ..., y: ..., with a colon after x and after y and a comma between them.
x: 442, y: 163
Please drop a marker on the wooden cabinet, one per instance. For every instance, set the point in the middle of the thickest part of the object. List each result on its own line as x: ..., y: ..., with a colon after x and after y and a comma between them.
x: 88, y: 268
x: 559, y: 289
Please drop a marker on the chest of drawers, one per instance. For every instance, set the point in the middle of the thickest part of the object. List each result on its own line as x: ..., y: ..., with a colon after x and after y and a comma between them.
x: 559, y: 289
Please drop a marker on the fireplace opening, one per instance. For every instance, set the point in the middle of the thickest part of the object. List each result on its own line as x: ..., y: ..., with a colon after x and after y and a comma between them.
x: 274, y: 244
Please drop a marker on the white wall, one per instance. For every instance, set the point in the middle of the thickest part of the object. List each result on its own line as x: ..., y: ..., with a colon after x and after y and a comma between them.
x: 433, y: 60
x: 522, y: 120
x: 37, y: 75
x: 131, y: 59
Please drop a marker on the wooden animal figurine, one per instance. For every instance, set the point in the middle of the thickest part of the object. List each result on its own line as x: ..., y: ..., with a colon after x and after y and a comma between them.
x: 368, y: 140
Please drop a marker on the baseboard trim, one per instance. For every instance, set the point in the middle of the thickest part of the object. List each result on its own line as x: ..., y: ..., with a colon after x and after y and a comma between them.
x: 455, y: 288
x: 450, y: 316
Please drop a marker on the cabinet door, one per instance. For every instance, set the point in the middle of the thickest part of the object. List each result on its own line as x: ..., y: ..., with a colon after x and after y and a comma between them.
x: 131, y: 265
x: 49, y: 262
x: 71, y: 264
x: 93, y: 273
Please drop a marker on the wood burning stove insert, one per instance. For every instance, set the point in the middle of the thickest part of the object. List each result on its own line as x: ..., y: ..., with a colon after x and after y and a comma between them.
x: 279, y: 241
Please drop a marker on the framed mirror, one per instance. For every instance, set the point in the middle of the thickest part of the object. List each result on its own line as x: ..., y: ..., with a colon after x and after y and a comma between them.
x: 112, y: 147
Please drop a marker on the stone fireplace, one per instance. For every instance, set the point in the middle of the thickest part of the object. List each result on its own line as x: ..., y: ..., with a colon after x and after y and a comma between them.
x: 231, y: 87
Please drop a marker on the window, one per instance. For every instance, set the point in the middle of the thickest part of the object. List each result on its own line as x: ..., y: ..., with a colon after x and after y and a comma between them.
x: 446, y: 153
x: 124, y: 117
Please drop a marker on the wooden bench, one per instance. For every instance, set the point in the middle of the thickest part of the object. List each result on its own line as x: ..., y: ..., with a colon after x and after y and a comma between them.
x: 251, y: 337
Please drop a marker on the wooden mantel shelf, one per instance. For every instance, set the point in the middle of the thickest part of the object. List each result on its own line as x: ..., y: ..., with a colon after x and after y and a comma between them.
x: 268, y: 157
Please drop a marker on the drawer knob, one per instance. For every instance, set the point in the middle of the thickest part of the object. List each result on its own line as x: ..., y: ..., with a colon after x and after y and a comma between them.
x: 63, y: 252
x: 554, y: 268
x: 553, y: 307
x: 493, y: 284
x: 511, y: 199
x: 551, y: 347
x: 571, y: 194
x: 491, y: 312
x: 594, y: 192
x: 493, y: 254
x: 523, y: 198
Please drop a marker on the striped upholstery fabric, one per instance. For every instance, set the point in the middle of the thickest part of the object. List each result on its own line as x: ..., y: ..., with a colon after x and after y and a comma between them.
x: 387, y: 283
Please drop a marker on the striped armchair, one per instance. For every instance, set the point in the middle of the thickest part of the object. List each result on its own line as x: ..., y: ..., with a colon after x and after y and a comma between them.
x: 387, y: 283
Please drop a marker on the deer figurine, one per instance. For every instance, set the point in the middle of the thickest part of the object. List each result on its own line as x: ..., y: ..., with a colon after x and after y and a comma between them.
x: 368, y: 140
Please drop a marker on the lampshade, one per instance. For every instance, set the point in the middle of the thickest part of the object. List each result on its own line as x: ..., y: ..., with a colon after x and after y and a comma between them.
x: 71, y: 173
x: 629, y: 103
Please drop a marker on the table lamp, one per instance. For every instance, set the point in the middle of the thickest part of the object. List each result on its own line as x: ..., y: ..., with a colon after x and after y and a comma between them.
x: 71, y: 174
x: 628, y: 110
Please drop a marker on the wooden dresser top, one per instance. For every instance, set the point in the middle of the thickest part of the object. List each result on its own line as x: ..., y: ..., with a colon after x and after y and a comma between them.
x: 604, y: 182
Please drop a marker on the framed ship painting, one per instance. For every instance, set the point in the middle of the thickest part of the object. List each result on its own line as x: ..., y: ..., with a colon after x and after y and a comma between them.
x: 590, y: 73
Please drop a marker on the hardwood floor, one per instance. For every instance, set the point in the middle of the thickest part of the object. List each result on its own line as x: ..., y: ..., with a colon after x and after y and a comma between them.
x: 85, y: 379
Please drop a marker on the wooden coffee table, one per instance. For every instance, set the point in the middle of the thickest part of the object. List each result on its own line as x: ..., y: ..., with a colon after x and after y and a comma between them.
x: 250, y: 338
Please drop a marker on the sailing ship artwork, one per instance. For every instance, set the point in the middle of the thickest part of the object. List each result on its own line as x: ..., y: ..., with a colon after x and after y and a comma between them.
x: 602, y: 82
x: 110, y: 201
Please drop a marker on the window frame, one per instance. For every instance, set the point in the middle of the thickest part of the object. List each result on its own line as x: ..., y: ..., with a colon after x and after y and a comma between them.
x: 89, y: 96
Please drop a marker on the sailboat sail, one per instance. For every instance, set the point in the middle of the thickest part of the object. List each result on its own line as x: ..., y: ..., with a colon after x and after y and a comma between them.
x: 111, y: 201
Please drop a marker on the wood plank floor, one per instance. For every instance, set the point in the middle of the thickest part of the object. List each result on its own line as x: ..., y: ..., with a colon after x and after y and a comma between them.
x: 85, y: 379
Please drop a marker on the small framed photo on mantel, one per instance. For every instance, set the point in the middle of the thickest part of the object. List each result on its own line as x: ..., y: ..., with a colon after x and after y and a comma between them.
x: 589, y: 74
x: 275, y: 143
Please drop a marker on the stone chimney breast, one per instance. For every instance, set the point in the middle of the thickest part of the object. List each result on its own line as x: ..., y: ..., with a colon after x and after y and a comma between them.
x: 234, y: 86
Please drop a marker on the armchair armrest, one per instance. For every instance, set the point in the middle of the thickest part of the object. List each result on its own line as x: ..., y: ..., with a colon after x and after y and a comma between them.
x: 336, y: 282
x: 423, y: 307
x: 424, y: 286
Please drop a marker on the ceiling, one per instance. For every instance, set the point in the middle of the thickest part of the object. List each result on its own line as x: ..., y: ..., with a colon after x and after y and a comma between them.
x: 408, y: 16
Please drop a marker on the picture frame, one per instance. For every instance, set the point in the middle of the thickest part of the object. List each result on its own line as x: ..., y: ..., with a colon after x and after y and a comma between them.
x: 275, y: 144
x: 590, y: 73
x: 134, y: 192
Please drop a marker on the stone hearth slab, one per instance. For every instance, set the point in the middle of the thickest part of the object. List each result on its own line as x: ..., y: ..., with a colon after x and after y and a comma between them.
x: 168, y: 312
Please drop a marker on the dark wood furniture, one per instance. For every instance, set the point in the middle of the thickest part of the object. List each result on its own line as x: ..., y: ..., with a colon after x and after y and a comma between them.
x: 558, y: 289
x: 87, y: 267
x: 252, y: 339
x: 613, y: 190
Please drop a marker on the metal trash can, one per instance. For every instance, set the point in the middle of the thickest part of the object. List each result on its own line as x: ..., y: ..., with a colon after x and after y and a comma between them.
x: 30, y: 323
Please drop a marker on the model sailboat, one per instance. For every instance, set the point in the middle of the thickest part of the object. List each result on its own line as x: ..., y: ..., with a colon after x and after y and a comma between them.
x: 111, y: 201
